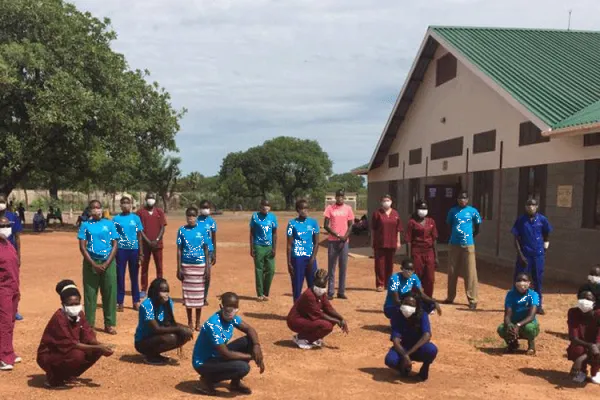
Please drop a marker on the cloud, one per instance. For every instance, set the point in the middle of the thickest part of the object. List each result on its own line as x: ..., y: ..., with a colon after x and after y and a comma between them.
x: 250, y: 70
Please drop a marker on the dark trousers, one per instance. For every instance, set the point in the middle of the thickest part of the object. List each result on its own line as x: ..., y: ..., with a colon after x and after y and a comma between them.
x: 158, y: 261
x: 425, y: 354
x: 217, y: 370
x: 384, y: 266
x: 127, y: 257
x: 337, y: 252
x: 424, y: 263
x: 535, y: 269
x: 302, y: 270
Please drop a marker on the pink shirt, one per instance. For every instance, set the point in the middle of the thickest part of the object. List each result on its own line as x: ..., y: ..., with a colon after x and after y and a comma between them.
x: 338, y: 219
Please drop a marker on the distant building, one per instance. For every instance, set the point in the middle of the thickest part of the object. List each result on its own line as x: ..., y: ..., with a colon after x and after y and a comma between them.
x: 506, y: 114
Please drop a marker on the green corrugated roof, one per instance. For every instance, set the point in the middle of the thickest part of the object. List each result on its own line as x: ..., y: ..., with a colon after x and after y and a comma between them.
x: 553, y: 73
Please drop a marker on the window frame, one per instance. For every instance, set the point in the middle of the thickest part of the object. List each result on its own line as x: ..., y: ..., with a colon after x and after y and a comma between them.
x: 483, y: 186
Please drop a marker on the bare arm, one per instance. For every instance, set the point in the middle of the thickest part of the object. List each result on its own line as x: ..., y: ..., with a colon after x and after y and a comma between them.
x: 315, y: 239
x: 329, y: 230
x: 288, y: 249
x: 18, y: 243
x: 84, y: 252
x: 257, y: 355
x: 148, y: 241
x: 530, y: 317
x: 161, y: 330
x: 214, y: 240
x: 424, y: 339
x: 113, y: 253
x: 274, y: 247
x: 252, y: 241
x: 520, y: 251
x: 348, y: 232
x: 160, y: 233
x: 179, y: 275
x: 140, y: 245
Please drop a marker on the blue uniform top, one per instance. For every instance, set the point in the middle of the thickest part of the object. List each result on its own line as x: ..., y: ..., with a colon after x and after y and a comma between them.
x: 193, y: 240
x: 15, y: 225
x: 531, y: 233
x: 521, y: 303
x: 209, y: 225
x: 263, y: 228
x: 99, y: 235
x: 407, y: 332
x: 214, y: 332
x: 128, y: 227
x: 302, y: 232
x: 400, y: 284
x: 147, y: 314
x: 461, y: 220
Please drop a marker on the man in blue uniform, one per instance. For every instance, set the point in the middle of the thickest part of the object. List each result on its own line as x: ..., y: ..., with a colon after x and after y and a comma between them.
x: 531, y: 231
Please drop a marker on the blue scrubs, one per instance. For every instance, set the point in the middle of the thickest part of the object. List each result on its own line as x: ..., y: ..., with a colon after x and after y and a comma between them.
x: 302, y: 233
x: 530, y: 232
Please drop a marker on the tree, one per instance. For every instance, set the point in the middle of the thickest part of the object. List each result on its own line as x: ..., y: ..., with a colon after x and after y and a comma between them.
x: 70, y: 108
x: 191, y: 182
x: 161, y: 176
x: 348, y: 181
x: 234, y: 188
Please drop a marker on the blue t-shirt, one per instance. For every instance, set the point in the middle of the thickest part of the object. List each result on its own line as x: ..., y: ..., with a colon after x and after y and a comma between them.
x: 263, y: 226
x: 128, y: 227
x: 407, y: 332
x: 99, y: 236
x: 521, y: 303
x: 400, y: 284
x: 146, y: 315
x: 214, y: 332
x: 209, y: 225
x: 15, y: 225
x: 461, y: 221
x: 193, y: 240
x: 302, y: 232
x: 531, y: 233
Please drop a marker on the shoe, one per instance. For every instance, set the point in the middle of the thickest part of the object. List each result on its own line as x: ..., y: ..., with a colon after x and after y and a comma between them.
x: 142, y: 295
x: 155, y: 360
x: 342, y: 296
x: 18, y: 316
x: 472, y: 306
x: 318, y: 343
x: 302, y: 343
x: 265, y: 298
x: 595, y: 379
x: 206, y: 388
x: 541, y: 311
x: 5, y: 367
x: 448, y: 301
x: 49, y: 385
x: 329, y: 297
x: 120, y: 308
x: 580, y: 377
x: 18, y: 360
x: 239, y: 387
x: 512, y: 347
x: 136, y: 306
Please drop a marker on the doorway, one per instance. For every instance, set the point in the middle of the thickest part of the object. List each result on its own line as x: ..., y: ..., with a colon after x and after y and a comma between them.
x: 441, y: 198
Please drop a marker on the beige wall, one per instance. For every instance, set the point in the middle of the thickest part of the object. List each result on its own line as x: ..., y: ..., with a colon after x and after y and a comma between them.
x: 469, y: 106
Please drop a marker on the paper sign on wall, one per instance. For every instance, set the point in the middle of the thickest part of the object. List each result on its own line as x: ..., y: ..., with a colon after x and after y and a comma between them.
x: 432, y: 193
x: 449, y: 193
x: 564, y: 196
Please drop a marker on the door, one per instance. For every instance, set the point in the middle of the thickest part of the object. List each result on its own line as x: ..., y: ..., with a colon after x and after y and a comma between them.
x: 441, y: 198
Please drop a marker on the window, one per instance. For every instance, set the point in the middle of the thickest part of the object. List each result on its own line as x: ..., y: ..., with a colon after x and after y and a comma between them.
x: 415, y: 156
x: 483, y: 193
x: 393, y: 160
x: 484, y: 142
x: 414, y: 192
x: 532, y: 184
x: 530, y: 134
x: 591, y: 195
x: 591, y: 139
x: 447, y: 148
x: 445, y: 69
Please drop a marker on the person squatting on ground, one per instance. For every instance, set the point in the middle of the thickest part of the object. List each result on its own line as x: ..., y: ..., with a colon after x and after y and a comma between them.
x: 386, y: 228
x: 154, y: 222
x: 129, y: 253
x: 421, y: 237
x: 583, y: 322
x: 593, y: 285
x: 191, y: 265
x: 9, y: 296
x: 68, y: 347
x: 531, y: 231
x: 411, y: 338
x: 464, y: 221
x: 338, y: 221
x: 313, y: 317
x: 206, y: 222
x: 520, y: 309
x: 302, y: 249
x: 157, y: 331
x: 98, y: 245
x: 263, y: 248
x: 217, y: 360
x: 402, y: 283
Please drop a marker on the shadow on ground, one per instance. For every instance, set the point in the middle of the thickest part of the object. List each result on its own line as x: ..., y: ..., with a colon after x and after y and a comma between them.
x: 388, y: 375
x: 265, y: 316
x: 560, y: 379
x: 377, y: 328
x: 189, y: 387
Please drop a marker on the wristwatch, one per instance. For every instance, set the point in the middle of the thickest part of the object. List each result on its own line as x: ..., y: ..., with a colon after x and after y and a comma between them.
x: 518, y: 324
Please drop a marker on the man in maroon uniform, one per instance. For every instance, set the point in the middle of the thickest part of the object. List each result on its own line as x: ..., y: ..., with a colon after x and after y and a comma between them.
x: 154, y: 222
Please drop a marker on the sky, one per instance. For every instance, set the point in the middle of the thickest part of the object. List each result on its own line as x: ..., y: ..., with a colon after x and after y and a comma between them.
x: 251, y: 70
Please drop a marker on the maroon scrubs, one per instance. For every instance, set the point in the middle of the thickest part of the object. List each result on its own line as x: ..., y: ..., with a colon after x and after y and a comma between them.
x: 306, y: 316
x: 57, y: 353
x: 584, y: 328
x: 9, y: 299
x: 385, y: 243
x: 152, y: 224
x: 422, y: 236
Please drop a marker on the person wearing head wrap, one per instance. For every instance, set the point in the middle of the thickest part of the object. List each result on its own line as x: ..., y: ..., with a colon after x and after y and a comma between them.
x: 69, y: 346
x: 9, y: 296
x: 386, y: 228
x: 421, y: 237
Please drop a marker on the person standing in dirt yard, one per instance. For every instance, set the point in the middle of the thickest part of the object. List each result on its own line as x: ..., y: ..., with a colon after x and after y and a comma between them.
x: 338, y: 221
x: 531, y: 231
x: 584, y: 335
x: 15, y: 232
x: 9, y: 296
x: 263, y: 248
x: 154, y: 223
x: 206, y: 222
x: 387, y: 232
x: 464, y: 221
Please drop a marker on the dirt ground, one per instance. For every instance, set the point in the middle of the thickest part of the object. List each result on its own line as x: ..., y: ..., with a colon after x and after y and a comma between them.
x: 470, y: 362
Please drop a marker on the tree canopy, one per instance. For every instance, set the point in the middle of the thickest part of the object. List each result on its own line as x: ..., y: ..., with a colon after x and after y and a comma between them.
x: 348, y: 181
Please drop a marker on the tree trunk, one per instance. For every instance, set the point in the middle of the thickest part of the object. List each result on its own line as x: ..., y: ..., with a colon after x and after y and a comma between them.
x: 13, y: 180
x: 289, y: 201
x: 53, y: 191
x: 165, y: 199
x: 114, y: 200
x: 26, y: 198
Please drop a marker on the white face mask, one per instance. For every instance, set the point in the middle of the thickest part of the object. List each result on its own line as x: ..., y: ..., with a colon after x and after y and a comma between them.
x: 408, y: 311
x: 205, y: 211
x: 6, y: 232
x: 594, y: 279
x: 585, y: 305
x: 319, y: 291
x: 150, y: 202
x: 422, y: 213
x: 72, y: 311
x: 2, y: 206
x: 386, y: 204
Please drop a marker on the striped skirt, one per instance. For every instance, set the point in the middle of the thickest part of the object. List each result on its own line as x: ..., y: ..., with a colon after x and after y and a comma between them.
x: 193, y: 284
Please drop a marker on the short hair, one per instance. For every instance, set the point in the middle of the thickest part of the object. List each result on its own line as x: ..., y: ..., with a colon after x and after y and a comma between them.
x: 386, y: 196
x: 229, y: 296
x: 407, y: 261
x: 300, y: 203
x: 92, y: 202
x: 67, y: 288
x: 522, y: 275
x: 203, y: 202
x: 124, y: 199
x: 191, y: 209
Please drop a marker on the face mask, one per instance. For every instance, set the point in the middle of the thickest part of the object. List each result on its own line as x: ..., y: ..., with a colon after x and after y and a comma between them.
x: 522, y: 286
x: 422, y: 213
x: 386, y: 204
x: 2, y: 206
x: 6, y: 232
x: 594, y: 279
x: 205, y: 211
x: 319, y: 291
x: 408, y: 311
x: 72, y: 311
x: 585, y: 305
x: 150, y: 202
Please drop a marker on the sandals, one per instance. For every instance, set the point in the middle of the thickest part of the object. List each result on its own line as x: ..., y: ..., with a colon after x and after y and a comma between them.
x: 206, y: 388
x: 239, y: 387
x: 110, y: 330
